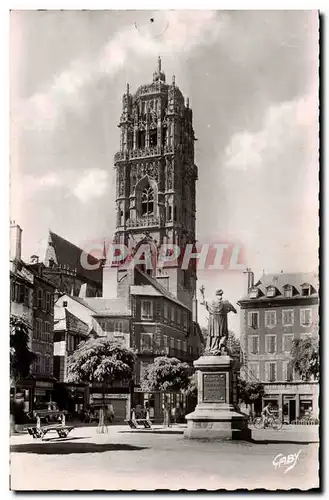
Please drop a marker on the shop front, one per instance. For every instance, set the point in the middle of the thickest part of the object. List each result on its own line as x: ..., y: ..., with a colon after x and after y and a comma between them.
x: 293, y: 400
x: 118, y: 403
x: 154, y: 403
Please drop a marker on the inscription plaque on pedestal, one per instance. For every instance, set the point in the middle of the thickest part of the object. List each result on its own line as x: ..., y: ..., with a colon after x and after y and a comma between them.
x: 214, y: 387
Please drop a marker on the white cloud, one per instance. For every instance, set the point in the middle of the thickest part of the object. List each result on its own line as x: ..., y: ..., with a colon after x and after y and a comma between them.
x: 282, y: 124
x: 30, y: 185
x: 92, y: 184
x: 185, y: 30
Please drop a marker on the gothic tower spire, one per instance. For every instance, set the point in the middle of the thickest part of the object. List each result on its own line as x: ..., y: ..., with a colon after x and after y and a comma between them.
x: 156, y: 175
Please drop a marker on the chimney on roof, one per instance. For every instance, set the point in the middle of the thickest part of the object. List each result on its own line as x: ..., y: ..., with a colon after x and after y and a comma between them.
x: 162, y: 278
x: 250, y: 279
x: 83, y: 291
x: 15, y: 241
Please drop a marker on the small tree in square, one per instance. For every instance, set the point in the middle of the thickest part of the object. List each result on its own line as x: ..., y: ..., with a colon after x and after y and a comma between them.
x: 103, y: 361
x: 250, y: 391
x: 305, y: 358
x: 166, y: 375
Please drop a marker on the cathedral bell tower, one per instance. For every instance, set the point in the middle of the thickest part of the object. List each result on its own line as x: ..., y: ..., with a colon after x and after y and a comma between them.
x: 156, y: 175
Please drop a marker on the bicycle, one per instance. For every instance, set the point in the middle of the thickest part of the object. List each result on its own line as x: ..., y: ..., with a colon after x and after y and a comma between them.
x: 272, y: 422
x: 252, y: 420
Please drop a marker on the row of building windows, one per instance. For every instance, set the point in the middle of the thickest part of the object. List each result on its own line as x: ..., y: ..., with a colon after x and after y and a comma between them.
x: 288, y: 291
x: 43, y: 364
x: 271, y: 371
x: 147, y: 342
x: 271, y: 343
x: 287, y: 318
x: 116, y: 327
x: 44, y: 300
x: 170, y: 313
x: 20, y: 293
x: 72, y: 342
x: 43, y: 331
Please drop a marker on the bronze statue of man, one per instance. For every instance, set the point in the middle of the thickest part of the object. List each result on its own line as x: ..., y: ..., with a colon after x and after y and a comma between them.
x: 217, y: 325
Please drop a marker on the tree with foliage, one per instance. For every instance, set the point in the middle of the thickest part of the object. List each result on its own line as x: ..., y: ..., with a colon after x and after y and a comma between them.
x: 21, y: 357
x: 249, y: 392
x: 166, y: 375
x: 103, y: 361
x: 192, y: 388
x: 234, y: 348
x: 305, y: 358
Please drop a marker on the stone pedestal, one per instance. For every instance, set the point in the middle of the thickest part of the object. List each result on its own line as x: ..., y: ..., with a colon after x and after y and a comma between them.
x: 216, y: 415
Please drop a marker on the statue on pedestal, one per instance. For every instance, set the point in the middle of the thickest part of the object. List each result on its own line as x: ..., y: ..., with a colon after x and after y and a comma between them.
x: 217, y: 325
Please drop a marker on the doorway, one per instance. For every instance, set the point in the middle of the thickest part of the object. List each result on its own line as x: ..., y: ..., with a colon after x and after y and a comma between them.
x: 292, y: 410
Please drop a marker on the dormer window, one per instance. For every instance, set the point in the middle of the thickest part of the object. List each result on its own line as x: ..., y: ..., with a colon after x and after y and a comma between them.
x: 288, y: 291
x: 254, y: 293
x: 270, y: 292
x: 306, y: 290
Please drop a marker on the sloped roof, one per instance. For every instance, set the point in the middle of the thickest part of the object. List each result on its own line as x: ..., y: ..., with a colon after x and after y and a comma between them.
x: 70, y: 255
x: 148, y: 290
x: 82, y: 301
x: 107, y: 307
x: 280, y: 280
x: 160, y: 288
x: 73, y: 323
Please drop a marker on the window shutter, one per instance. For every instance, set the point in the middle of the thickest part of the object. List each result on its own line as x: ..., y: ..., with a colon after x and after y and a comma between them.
x: 267, y: 372
x: 250, y: 344
x: 273, y: 374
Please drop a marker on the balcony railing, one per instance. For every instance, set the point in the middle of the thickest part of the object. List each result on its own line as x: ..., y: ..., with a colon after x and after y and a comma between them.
x: 144, y: 152
x: 146, y: 221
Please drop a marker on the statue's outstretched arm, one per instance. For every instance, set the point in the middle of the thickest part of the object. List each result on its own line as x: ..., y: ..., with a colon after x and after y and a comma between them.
x: 231, y: 308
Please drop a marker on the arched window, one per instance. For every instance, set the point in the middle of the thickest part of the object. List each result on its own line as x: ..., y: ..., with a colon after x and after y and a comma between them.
x: 148, y: 201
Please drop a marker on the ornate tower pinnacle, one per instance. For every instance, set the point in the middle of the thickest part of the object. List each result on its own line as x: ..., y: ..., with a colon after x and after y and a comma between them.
x: 156, y: 174
x: 158, y: 75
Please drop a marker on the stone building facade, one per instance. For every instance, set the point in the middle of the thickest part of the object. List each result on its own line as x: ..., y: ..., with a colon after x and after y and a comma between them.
x: 155, y: 206
x: 276, y: 310
x: 156, y: 175
x: 42, y: 334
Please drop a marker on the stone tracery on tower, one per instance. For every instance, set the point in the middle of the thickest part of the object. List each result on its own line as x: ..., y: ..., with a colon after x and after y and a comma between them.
x: 155, y: 171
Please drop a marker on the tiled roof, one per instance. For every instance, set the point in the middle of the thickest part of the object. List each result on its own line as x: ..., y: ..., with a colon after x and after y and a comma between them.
x: 70, y: 255
x: 160, y: 288
x: 148, y: 290
x: 107, y: 307
x: 73, y: 323
x: 280, y: 280
x: 82, y: 301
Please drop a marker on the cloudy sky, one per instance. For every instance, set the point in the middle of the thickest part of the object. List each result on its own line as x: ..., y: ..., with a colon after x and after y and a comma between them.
x: 252, y: 82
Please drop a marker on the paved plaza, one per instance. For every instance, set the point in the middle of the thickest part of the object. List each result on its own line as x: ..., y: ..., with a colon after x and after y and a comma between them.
x: 123, y: 460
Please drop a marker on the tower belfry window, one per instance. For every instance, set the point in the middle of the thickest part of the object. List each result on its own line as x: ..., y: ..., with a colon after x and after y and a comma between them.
x: 148, y: 201
x: 164, y: 136
x: 153, y: 137
x: 141, y: 139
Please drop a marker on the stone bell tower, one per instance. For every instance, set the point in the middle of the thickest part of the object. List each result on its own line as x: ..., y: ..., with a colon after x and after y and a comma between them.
x: 156, y: 175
